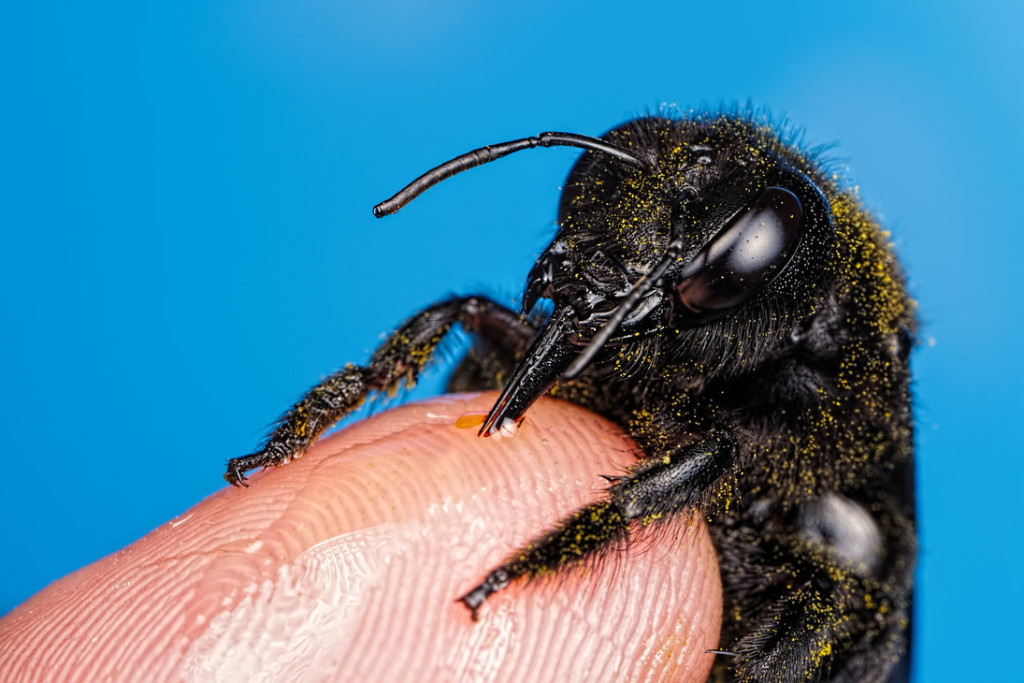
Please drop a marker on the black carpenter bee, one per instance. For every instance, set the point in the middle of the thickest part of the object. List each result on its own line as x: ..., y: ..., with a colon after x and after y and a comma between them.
x: 717, y: 293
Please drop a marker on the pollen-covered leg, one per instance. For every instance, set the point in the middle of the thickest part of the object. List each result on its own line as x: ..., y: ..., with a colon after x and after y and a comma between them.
x: 576, y: 538
x: 316, y: 411
x: 656, y: 488
x: 837, y: 624
x: 794, y: 642
x: 400, y: 358
x: 799, y: 610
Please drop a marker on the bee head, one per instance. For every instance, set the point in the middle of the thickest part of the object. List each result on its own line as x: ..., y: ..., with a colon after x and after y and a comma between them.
x: 690, y: 230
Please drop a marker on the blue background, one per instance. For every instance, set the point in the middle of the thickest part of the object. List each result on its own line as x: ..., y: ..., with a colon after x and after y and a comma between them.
x: 187, y: 241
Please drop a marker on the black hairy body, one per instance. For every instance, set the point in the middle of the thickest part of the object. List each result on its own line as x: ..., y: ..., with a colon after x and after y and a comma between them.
x: 722, y: 298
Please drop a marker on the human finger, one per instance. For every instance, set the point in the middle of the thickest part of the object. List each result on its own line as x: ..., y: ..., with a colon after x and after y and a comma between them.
x: 345, y: 565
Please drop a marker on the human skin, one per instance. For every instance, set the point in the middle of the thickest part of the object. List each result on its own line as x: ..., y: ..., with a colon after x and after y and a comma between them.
x: 345, y: 565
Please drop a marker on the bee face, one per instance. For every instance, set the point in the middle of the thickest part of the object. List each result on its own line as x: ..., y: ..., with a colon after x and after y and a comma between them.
x: 717, y: 234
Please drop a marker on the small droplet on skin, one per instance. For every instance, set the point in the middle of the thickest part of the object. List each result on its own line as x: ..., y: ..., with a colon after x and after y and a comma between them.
x: 508, y: 427
x: 178, y: 521
x: 469, y: 421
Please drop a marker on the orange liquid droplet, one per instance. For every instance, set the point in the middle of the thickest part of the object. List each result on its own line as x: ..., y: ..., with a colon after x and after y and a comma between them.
x: 468, y: 421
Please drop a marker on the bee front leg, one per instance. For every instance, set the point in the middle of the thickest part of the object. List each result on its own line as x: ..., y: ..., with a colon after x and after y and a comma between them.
x: 401, y: 357
x: 656, y: 488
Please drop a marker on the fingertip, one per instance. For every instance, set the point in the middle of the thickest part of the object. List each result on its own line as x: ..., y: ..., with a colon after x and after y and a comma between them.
x: 346, y: 564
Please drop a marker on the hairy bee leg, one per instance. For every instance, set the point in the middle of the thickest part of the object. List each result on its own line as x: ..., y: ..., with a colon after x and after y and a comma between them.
x: 798, y: 638
x: 811, y: 613
x: 656, y: 488
x: 314, y: 413
x: 811, y: 630
x: 401, y: 357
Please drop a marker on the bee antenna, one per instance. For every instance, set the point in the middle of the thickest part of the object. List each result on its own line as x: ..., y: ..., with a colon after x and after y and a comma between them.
x: 485, y: 155
x: 639, y: 289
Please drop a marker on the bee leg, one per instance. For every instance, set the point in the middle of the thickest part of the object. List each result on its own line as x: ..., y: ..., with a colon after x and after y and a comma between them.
x: 654, y: 489
x: 798, y: 638
x: 401, y: 357
x: 807, y: 613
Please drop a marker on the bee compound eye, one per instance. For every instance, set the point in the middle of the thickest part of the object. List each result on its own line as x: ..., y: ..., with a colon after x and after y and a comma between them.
x: 747, y: 254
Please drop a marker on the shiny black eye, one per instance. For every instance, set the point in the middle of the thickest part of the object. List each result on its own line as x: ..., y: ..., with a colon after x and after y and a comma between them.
x: 745, y: 255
